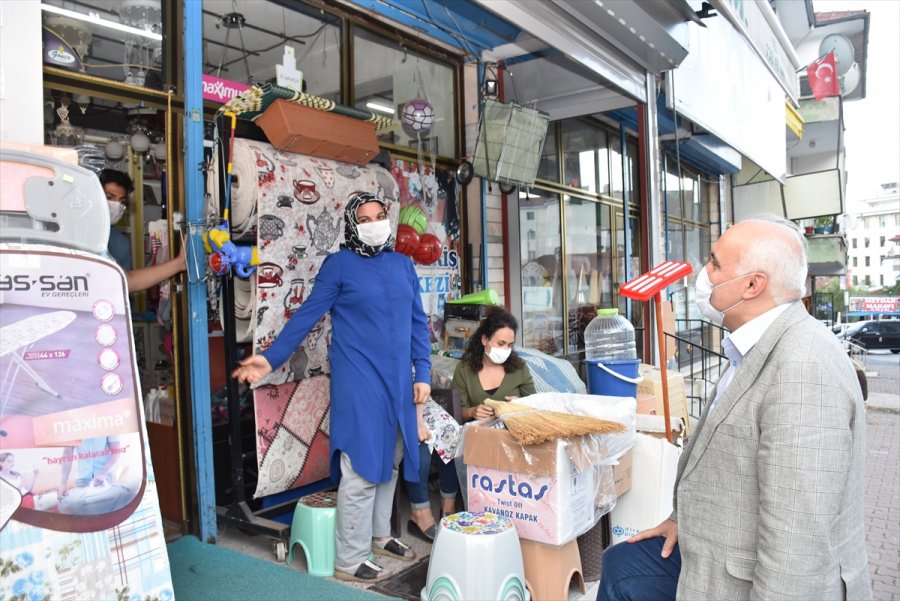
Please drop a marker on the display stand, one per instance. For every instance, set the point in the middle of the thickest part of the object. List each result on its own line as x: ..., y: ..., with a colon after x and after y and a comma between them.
x: 238, y: 512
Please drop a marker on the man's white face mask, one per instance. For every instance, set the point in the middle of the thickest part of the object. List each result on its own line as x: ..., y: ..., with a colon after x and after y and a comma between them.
x: 374, y: 233
x: 116, y: 210
x: 703, y: 290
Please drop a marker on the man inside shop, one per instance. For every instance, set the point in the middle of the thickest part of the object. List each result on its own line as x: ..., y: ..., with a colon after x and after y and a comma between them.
x: 117, y: 186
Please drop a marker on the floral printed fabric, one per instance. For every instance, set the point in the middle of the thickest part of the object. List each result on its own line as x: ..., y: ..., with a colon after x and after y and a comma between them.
x: 445, y: 431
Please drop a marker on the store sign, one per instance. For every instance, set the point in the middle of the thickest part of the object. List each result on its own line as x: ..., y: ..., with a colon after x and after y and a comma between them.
x: 748, y: 17
x: 875, y: 304
x: 726, y: 88
x: 221, y: 90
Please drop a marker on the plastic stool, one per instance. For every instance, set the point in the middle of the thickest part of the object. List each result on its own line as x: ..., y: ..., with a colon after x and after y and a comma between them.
x: 549, y: 569
x: 313, y: 528
x: 476, y: 556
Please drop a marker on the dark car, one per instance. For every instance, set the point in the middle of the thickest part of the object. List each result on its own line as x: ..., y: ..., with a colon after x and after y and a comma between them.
x: 875, y: 335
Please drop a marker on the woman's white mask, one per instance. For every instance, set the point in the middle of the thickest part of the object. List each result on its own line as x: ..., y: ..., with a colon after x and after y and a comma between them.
x: 499, y: 355
x: 374, y: 233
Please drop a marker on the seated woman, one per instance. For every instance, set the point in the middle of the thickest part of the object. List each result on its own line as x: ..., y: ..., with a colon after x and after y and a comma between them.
x: 489, y: 369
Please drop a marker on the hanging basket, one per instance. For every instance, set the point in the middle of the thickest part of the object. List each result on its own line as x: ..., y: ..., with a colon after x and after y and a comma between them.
x: 510, y: 140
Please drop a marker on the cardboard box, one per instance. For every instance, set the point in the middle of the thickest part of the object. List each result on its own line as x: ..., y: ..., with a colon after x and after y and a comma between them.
x: 622, y: 473
x: 654, y: 426
x: 652, y: 385
x: 304, y: 130
x: 548, y: 490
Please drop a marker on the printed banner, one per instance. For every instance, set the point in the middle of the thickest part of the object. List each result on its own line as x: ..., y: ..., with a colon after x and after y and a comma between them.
x: 80, y: 511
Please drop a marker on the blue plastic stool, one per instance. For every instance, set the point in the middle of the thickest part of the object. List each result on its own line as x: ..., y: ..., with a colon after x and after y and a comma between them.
x: 313, y: 528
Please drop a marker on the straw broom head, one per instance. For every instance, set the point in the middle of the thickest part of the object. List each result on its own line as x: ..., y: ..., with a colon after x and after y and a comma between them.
x: 535, y: 426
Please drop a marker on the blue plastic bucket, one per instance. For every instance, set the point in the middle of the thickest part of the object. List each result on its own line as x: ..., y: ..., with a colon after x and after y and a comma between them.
x: 613, y: 377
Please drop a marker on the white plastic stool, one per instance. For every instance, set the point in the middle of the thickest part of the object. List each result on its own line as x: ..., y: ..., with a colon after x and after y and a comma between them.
x: 476, y: 556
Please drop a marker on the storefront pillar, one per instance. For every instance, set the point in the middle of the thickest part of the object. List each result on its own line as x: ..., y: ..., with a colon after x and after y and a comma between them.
x: 197, y: 318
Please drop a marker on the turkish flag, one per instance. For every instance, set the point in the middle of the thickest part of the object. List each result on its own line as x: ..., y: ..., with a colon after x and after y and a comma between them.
x: 823, y: 79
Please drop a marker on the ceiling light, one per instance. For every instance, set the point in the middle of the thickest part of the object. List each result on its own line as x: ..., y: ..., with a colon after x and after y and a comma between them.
x: 140, y: 142
x: 380, y: 108
x: 96, y: 20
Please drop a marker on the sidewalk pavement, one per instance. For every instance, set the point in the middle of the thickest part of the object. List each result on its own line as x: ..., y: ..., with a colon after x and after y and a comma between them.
x: 882, y: 501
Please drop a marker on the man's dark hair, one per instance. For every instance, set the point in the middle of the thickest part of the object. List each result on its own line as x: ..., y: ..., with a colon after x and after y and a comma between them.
x: 116, y: 177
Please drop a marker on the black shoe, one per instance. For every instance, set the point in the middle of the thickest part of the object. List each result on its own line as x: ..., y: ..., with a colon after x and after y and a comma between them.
x: 395, y: 548
x: 426, y: 535
x: 365, y: 572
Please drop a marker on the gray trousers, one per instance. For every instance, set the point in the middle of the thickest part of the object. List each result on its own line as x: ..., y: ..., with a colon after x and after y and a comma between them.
x: 363, y: 511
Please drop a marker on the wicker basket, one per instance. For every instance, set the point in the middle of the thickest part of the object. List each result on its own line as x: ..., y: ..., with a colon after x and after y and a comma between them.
x: 590, y: 547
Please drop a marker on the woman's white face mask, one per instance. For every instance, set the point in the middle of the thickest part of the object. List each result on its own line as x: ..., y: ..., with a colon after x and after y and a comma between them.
x: 374, y: 233
x: 116, y: 210
x: 499, y: 355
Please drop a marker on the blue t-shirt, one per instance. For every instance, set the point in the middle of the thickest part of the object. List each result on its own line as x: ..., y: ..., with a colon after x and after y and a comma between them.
x: 119, y: 248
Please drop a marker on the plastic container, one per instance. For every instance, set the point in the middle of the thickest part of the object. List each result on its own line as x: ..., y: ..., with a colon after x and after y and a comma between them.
x: 610, y: 355
x: 609, y: 336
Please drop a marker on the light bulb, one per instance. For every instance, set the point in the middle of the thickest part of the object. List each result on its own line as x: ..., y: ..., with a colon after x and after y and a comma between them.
x: 140, y: 142
x: 114, y: 150
x: 159, y: 150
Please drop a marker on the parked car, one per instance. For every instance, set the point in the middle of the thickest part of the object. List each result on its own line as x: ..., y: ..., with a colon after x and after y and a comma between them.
x: 875, y: 334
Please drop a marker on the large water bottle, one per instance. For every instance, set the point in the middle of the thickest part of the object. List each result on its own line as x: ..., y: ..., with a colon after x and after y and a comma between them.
x: 609, y: 336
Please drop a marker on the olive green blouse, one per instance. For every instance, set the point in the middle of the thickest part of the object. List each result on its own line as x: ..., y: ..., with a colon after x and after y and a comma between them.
x: 517, y: 383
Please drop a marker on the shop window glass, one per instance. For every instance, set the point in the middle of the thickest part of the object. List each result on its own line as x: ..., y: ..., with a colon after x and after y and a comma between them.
x: 386, y: 76
x: 672, y: 189
x: 248, y: 54
x: 632, y: 183
x: 95, y: 45
x: 616, y: 180
x: 548, y: 167
x: 542, y: 273
x: 585, y: 162
x: 589, y: 263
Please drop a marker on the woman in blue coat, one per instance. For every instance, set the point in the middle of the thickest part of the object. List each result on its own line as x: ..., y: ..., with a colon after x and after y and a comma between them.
x: 379, y: 335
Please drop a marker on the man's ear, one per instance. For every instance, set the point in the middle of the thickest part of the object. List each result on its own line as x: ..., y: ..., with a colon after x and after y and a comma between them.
x: 756, y: 285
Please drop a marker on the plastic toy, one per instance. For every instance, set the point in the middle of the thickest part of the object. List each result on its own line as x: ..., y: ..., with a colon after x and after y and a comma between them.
x: 417, y: 117
x: 413, y: 215
x: 226, y: 255
x: 407, y: 240
x: 429, y: 250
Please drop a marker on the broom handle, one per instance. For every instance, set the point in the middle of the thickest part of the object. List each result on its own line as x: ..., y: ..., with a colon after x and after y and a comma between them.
x: 661, y: 337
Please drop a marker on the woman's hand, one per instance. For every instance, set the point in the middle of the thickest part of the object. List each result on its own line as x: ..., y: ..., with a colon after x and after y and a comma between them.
x: 421, y: 392
x: 483, y: 412
x: 252, y: 369
x: 424, y: 432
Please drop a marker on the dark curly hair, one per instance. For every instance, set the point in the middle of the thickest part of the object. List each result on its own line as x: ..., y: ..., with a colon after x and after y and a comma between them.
x: 495, y: 319
x: 115, y: 176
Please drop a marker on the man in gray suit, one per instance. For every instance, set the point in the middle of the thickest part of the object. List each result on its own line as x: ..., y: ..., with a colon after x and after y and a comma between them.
x: 769, y: 492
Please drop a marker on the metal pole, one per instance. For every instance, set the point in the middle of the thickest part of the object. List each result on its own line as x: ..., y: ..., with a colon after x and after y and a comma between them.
x: 197, y: 322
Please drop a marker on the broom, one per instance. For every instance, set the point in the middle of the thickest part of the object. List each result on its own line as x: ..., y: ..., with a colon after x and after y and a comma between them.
x: 535, y: 426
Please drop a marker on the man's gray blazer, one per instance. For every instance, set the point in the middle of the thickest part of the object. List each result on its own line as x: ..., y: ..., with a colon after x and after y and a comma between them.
x: 769, y: 491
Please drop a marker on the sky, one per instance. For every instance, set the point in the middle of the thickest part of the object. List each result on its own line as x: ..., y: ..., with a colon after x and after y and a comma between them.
x: 872, y: 136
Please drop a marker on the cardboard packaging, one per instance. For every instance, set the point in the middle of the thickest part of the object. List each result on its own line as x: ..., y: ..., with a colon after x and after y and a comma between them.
x: 622, y: 473
x: 652, y: 385
x: 549, y: 491
x: 297, y: 128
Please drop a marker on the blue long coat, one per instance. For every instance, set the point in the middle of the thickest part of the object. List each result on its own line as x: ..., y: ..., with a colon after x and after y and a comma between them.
x: 379, y: 333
